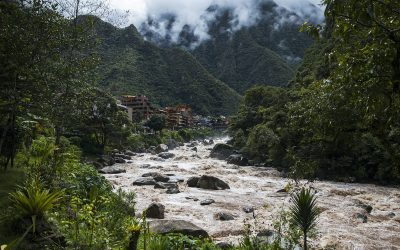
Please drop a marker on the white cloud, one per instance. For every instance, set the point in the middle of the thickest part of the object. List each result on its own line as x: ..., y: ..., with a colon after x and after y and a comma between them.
x: 193, y: 12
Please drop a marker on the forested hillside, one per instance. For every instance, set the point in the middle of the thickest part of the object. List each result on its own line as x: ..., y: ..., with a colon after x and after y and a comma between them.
x: 339, y: 119
x: 266, y: 52
x: 169, y: 76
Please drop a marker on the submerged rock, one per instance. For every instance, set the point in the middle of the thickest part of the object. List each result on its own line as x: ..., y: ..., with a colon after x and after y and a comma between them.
x: 192, y: 181
x: 223, y: 216
x: 177, y: 226
x: 238, y: 159
x: 161, y: 148
x: 157, y: 176
x: 207, y: 202
x: 221, y: 151
x: 173, y: 190
x: 211, y: 182
x: 112, y: 170
x: 248, y: 210
x: 172, y: 144
x: 156, y: 211
x: 166, y: 155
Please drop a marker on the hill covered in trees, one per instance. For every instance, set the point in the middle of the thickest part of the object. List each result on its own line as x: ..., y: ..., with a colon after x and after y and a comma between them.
x: 168, y: 76
x: 265, y: 52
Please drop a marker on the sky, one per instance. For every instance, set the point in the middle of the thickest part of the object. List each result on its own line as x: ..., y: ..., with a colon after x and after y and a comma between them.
x: 192, y: 12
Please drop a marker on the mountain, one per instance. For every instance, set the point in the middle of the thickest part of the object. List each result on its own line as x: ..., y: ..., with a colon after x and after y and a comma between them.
x: 168, y: 76
x: 267, y: 51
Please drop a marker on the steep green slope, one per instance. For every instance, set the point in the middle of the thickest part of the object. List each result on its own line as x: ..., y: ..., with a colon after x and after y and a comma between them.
x: 130, y: 65
x: 266, y: 52
x: 261, y: 54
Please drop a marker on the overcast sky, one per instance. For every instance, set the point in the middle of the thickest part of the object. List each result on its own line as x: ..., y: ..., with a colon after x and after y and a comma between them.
x: 189, y: 11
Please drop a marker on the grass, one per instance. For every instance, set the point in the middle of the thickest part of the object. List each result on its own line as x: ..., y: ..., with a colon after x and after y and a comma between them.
x: 8, y: 182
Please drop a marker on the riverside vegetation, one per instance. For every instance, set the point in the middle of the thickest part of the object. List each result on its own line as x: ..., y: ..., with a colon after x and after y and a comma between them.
x: 339, y: 119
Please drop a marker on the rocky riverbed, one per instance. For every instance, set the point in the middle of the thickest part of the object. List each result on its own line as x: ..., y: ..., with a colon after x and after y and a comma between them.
x: 354, y: 216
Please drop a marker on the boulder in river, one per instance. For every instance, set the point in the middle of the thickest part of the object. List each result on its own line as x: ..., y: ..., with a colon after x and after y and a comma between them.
x: 211, y: 182
x: 144, y: 181
x: 172, y: 144
x: 119, y: 160
x: 97, y: 165
x: 161, y: 148
x: 159, y: 185
x: 192, y: 181
x: 156, y: 211
x: 223, y: 216
x: 238, y: 159
x: 106, y: 160
x: 130, y: 153
x: 157, y: 176
x: 166, y: 155
x: 173, y: 190
x: 177, y: 227
x: 361, y: 217
x: 112, y: 170
x: 207, y: 202
x: 221, y: 151
x: 248, y: 210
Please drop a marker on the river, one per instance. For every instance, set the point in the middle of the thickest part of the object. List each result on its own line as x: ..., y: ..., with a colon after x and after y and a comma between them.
x: 339, y: 226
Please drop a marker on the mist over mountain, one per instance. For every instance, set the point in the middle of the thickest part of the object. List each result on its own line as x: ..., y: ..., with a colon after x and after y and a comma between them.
x: 241, y: 45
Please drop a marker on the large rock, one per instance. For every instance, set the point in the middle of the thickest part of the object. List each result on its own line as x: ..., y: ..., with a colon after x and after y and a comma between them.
x: 172, y: 144
x: 156, y: 211
x: 207, y: 202
x: 192, y: 181
x: 97, y: 165
x: 221, y: 151
x: 129, y: 153
x: 211, y: 182
x: 106, y: 160
x: 223, y: 216
x: 161, y: 148
x: 144, y: 181
x: 238, y: 159
x: 166, y: 155
x: 178, y: 227
x: 119, y: 160
x: 157, y: 176
x: 112, y: 170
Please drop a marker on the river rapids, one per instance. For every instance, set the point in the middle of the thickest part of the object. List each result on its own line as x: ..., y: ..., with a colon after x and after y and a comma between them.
x: 343, y: 223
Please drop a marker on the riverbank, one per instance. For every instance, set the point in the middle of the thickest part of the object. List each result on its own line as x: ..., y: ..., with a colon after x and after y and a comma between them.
x: 345, y: 222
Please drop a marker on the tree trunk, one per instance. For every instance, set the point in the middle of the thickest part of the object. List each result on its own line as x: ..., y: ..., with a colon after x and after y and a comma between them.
x: 305, y: 241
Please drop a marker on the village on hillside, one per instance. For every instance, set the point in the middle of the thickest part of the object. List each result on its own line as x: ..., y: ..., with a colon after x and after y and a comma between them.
x: 140, y: 109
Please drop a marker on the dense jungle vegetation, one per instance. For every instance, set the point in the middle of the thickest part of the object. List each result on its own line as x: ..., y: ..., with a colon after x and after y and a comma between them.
x: 339, y: 117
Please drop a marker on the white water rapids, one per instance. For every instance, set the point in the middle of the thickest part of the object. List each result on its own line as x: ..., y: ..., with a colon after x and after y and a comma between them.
x: 338, y: 225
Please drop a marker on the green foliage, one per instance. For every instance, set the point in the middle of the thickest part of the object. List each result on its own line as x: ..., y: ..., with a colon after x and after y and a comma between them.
x: 156, y: 122
x: 33, y: 201
x: 304, y: 212
x: 168, y: 76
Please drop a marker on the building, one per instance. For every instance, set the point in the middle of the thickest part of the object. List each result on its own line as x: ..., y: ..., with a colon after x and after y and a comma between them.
x: 179, y: 116
x: 138, y: 107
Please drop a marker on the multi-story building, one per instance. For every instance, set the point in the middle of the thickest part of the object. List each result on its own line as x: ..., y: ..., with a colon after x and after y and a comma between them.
x: 179, y: 116
x: 138, y: 107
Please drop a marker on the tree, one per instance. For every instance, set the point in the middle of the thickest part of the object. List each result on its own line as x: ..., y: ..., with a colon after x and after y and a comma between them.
x: 304, y: 212
x: 156, y: 122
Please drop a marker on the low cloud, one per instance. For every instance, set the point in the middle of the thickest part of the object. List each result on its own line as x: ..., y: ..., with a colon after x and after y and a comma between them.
x: 196, y: 14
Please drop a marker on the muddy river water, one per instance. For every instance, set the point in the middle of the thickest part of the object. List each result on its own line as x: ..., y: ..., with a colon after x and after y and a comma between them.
x: 343, y: 223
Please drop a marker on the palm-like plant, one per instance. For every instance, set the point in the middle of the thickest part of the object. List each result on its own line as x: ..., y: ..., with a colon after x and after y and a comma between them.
x: 304, y: 212
x: 33, y: 201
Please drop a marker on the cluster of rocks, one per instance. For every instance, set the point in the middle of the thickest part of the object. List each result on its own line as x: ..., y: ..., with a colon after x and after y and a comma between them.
x: 105, y: 163
x: 226, y: 152
x: 159, y: 181
x: 207, y: 182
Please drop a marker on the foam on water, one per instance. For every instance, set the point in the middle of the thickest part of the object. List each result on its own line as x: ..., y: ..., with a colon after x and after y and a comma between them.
x: 338, y: 226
